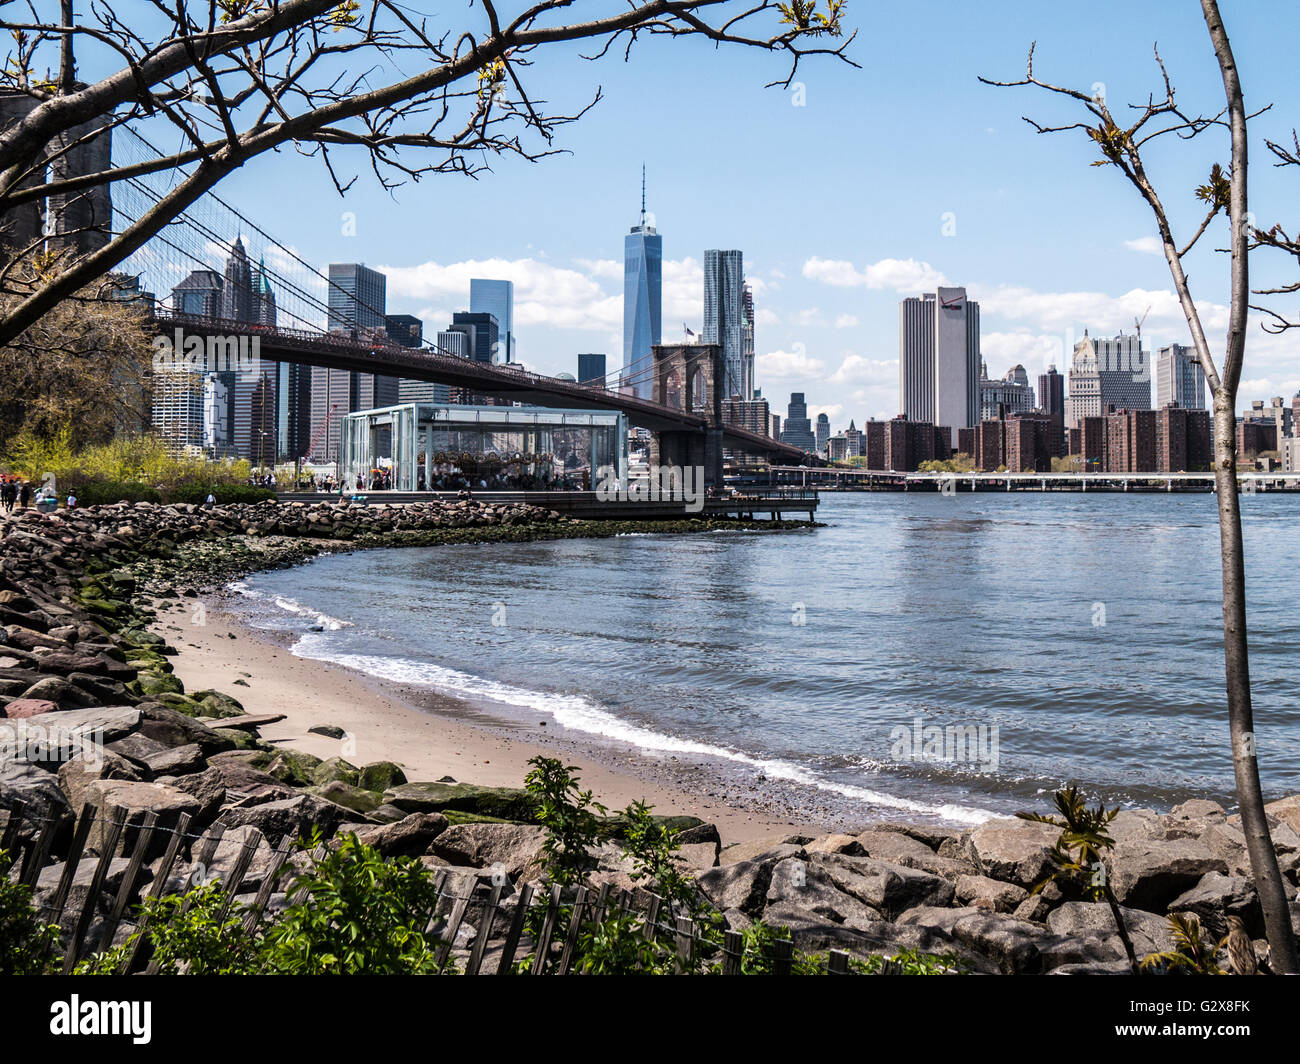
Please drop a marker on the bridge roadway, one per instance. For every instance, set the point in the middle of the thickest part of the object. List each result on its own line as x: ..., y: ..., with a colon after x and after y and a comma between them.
x: 847, y: 479
x: 335, y: 351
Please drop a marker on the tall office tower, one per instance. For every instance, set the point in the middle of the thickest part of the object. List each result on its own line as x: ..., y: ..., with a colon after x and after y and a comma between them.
x: 357, y: 304
x: 798, y: 429
x: 357, y: 297
x: 293, y: 410
x: 823, y: 432
x: 1051, y: 401
x: 1179, y: 378
x: 776, y: 427
x: 405, y: 329
x: 262, y: 306
x: 1051, y: 393
x: 198, y: 295
x: 484, y: 334
x: 643, y: 253
x: 454, y: 341
x: 237, y: 285
x: 747, y: 342
x: 333, y: 397
x: 498, y: 299
x: 939, y: 359
x: 591, y: 369
x: 215, y: 427
x: 1105, y: 374
x: 724, y: 316
x: 177, y: 408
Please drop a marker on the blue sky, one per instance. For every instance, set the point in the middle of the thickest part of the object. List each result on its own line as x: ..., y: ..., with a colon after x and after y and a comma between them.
x: 838, y: 205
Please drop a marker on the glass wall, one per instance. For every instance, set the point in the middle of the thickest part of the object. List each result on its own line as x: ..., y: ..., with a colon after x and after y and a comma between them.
x: 432, y: 447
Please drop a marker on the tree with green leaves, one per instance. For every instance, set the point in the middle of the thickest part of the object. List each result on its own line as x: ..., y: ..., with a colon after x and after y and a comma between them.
x: 1121, y: 143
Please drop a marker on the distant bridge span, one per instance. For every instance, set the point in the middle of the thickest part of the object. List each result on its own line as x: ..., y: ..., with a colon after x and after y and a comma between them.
x: 335, y: 351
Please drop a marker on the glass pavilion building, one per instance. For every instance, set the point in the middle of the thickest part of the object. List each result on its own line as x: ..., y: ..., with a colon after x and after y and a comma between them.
x: 445, y: 447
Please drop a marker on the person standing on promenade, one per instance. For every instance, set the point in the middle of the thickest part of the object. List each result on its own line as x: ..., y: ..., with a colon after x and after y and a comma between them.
x: 24, y: 495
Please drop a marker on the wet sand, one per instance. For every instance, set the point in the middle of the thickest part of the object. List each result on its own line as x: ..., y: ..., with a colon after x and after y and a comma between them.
x: 431, y: 735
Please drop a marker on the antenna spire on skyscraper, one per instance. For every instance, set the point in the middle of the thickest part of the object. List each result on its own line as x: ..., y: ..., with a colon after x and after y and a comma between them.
x: 643, y: 195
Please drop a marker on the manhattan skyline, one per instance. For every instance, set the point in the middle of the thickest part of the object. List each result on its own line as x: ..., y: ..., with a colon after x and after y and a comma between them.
x: 1046, y: 244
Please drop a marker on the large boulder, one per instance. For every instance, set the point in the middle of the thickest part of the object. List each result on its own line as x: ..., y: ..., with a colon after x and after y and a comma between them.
x: 1287, y: 810
x: 1217, y: 896
x: 513, y: 847
x: 992, y: 894
x: 381, y: 776
x: 53, y: 738
x: 887, y: 888
x: 799, y: 888
x: 1150, y: 873
x: 131, y: 801
x: 1084, y: 919
x: 36, y: 788
x: 172, y: 728
x: 408, y: 837
x: 762, y: 849
x: 1015, y: 851
x: 207, y: 786
x: 1015, y: 946
x: 740, y: 886
x: 297, y: 817
x: 900, y: 848
x: 505, y: 803
x: 77, y: 774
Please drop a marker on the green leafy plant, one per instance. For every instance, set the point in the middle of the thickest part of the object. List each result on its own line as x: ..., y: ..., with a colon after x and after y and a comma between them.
x: 25, y: 942
x: 193, y: 933
x: 361, y: 914
x: 1191, y: 955
x: 1077, y: 858
x: 570, y: 817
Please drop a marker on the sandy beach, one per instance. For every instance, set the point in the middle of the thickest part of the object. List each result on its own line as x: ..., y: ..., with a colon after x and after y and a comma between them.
x: 429, y: 735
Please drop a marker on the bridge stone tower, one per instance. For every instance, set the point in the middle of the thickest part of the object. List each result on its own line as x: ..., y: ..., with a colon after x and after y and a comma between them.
x: 689, y: 377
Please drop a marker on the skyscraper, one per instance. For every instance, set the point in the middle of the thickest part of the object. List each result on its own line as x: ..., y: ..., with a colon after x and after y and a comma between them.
x: 591, y: 369
x: 747, y: 343
x: 498, y: 299
x: 1051, y: 401
x: 484, y: 333
x: 939, y: 359
x: 823, y: 431
x: 1107, y: 373
x: 798, y: 429
x: 643, y: 252
x: 724, y: 316
x: 237, y: 285
x: 1179, y: 378
x: 357, y: 297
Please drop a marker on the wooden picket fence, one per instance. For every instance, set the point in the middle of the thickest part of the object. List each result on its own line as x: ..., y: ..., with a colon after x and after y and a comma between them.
x: 32, y: 852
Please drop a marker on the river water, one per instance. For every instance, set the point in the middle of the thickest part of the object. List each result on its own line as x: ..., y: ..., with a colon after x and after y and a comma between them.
x: 921, y: 655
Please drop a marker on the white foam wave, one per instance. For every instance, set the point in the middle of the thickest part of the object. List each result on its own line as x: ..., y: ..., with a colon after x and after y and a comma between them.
x: 288, y: 605
x: 581, y: 714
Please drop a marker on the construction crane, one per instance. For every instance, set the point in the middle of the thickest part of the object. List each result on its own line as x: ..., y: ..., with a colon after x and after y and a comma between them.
x: 1138, y: 323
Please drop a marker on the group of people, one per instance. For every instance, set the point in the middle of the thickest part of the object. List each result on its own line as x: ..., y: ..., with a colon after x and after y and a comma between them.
x: 14, y: 491
x: 262, y: 480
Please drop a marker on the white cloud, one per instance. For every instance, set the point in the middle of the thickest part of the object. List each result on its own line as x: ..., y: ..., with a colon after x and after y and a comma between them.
x: 1147, y: 245
x: 856, y: 369
x: 795, y: 364
x: 809, y: 316
x: 899, y: 275
x: 846, y: 321
x: 763, y: 316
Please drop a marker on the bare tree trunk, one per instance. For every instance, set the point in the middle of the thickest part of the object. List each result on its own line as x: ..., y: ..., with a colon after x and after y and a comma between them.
x: 1250, y: 797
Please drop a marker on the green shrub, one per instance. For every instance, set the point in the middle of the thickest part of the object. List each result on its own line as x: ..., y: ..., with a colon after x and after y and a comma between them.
x: 226, y: 494
x: 569, y: 815
x: 25, y: 943
x: 93, y: 492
